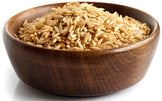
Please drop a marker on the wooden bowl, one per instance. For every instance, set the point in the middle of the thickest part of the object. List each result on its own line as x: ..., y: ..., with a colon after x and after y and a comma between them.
x: 80, y: 73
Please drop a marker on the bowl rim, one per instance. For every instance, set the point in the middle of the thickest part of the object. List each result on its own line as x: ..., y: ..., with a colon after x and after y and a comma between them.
x: 131, y: 46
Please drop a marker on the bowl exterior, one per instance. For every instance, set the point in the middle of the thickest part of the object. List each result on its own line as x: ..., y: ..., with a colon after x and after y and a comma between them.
x: 79, y: 74
x: 76, y: 73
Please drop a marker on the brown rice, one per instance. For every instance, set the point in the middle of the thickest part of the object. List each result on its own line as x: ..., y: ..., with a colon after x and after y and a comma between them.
x: 82, y: 26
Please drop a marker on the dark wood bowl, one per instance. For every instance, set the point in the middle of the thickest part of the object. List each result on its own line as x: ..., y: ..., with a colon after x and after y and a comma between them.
x: 80, y: 73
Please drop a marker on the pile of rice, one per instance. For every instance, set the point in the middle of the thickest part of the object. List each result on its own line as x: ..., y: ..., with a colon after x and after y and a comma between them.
x: 82, y: 26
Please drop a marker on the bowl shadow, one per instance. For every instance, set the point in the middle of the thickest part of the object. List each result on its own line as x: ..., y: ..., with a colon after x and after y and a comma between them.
x: 23, y: 92
x: 19, y: 91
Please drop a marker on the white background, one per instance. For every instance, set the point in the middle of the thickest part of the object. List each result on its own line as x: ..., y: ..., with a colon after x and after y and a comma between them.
x: 12, y: 89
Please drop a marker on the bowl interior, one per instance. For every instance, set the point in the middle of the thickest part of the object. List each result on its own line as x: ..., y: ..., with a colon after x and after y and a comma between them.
x: 16, y: 21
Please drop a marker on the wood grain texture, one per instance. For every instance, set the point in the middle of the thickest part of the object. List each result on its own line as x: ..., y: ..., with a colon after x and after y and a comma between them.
x: 80, y: 73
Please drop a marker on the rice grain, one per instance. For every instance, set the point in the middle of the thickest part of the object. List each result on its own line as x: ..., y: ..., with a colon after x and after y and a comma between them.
x: 82, y: 26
